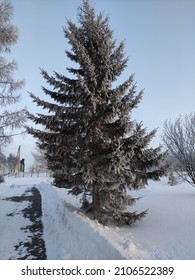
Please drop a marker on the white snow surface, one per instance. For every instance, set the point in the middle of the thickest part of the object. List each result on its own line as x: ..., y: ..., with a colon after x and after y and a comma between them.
x: 167, y: 232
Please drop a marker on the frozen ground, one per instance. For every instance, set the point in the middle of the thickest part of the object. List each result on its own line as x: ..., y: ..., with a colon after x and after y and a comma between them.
x: 167, y: 232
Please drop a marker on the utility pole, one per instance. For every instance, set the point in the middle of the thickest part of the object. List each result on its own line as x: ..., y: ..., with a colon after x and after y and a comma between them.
x: 18, y: 159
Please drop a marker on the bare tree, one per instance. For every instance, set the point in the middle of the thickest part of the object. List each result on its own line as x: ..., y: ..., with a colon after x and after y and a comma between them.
x: 9, y: 119
x: 40, y: 162
x: 179, y: 138
x: 2, y: 161
x: 12, y: 163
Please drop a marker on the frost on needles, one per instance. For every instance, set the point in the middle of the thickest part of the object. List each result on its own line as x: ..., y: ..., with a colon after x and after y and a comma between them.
x: 90, y: 141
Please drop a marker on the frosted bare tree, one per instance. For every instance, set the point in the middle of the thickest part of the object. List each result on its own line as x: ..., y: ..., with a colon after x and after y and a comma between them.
x: 40, y: 162
x: 179, y: 138
x: 10, y: 120
x: 2, y: 161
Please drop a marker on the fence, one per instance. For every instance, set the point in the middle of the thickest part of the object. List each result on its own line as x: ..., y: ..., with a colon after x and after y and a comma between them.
x: 29, y: 174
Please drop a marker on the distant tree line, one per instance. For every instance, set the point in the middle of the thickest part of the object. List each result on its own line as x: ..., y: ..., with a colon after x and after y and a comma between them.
x: 8, y: 164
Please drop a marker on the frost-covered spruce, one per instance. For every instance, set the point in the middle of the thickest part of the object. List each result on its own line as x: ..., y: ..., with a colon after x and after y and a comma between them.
x: 91, y: 143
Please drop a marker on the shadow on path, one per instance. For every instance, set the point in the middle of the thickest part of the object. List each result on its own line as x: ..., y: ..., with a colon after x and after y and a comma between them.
x: 35, y: 245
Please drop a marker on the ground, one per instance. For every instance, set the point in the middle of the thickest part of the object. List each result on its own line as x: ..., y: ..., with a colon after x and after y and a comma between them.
x: 39, y: 221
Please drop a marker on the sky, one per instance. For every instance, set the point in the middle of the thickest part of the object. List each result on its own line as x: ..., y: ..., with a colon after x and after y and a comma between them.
x: 159, y: 41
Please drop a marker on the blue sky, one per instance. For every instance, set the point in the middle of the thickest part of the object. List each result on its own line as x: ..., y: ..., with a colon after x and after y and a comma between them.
x: 160, y: 43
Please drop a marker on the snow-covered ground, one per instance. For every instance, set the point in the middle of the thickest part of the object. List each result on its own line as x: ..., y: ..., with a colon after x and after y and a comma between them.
x: 167, y: 232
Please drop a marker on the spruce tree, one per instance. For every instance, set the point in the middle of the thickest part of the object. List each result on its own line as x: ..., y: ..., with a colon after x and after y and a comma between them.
x: 90, y: 141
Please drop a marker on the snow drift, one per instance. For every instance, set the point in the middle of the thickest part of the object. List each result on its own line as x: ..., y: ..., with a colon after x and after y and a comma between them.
x: 68, y: 235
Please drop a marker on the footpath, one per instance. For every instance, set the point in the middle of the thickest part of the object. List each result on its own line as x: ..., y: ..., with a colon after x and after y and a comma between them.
x: 21, y: 225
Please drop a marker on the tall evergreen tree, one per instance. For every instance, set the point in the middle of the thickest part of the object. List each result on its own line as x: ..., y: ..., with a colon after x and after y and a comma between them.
x: 90, y: 141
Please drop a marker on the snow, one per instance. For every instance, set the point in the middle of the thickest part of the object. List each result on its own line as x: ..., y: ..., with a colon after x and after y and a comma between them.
x: 69, y: 235
x: 8, y: 233
x: 167, y: 232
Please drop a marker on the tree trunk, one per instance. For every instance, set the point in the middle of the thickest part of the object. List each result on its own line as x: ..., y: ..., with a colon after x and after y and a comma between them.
x: 96, y: 204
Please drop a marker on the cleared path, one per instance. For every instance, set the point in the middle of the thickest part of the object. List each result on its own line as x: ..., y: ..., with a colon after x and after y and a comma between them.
x: 22, y: 212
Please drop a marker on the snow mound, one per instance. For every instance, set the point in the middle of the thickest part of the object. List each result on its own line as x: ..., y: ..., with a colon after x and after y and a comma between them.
x: 67, y: 234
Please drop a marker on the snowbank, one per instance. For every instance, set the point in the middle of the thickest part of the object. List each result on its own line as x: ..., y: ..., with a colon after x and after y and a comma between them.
x: 167, y: 231
x: 67, y: 234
